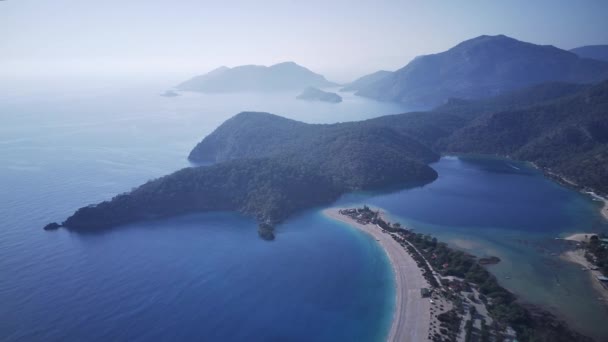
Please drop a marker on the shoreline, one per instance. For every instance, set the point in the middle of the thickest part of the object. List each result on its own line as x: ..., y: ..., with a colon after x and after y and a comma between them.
x: 579, y: 237
x: 412, y: 313
x: 604, y: 209
x: 562, y: 180
x: 577, y: 257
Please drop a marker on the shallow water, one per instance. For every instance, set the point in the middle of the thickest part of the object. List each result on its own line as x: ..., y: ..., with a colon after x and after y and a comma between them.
x: 491, y: 206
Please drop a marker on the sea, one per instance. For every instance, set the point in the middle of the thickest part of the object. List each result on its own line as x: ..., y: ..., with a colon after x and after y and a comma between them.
x: 68, y: 143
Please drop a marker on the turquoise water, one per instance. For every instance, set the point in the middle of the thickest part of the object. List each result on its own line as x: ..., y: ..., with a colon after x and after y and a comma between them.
x: 490, y: 206
x: 201, y: 277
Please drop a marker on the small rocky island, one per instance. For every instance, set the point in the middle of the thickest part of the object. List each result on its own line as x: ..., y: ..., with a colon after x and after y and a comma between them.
x: 52, y: 226
x: 316, y: 94
x: 170, y: 93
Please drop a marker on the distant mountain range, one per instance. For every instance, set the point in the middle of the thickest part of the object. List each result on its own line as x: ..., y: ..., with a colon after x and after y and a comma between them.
x: 481, y: 67
x: 278, y: 77
x: 599, y: 52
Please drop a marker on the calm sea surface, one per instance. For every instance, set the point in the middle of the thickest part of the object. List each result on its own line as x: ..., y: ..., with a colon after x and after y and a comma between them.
x: 494, y: 207
x: 203, y: 277
x: 208, y: 276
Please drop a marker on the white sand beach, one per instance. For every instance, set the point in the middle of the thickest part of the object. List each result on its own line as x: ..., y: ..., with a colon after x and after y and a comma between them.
x: 411, y: 319
x: 578, y: 257
x: 580, y: 237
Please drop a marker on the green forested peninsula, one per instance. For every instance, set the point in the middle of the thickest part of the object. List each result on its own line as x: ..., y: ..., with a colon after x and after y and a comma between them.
x: 269, y: 167
x: 271, y: 187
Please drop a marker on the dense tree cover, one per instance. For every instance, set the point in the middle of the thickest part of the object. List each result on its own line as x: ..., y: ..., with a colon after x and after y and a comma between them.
x: 278, y: 166
x: 567, y: 136
x: 597, y: 252
x: 560, y: 127
x: 269, y: 188
x: 254, y: 135
x: 261, y: 188
x: 530, y: 323
x: 449, y: 322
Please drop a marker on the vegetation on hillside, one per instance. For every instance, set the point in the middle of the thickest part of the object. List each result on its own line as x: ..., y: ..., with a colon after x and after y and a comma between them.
x: 270, y: 188
x: 271, y: 167
x: 597, y: 253
x: 567, y: 136
x: 560, y: 127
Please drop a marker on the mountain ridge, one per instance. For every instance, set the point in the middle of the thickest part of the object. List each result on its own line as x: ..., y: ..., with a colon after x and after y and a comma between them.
x: 598, y: 52
x: 365, y: 81
x: 481, y: 67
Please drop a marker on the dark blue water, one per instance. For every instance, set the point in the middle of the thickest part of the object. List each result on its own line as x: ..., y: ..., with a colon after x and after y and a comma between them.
x: 201, y: 277
x: 209, y: 277
x: 206, y: 277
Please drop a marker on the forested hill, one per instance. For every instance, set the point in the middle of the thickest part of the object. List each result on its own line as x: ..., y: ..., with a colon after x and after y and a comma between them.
x: 269, y: 167
x: 314, y: 169
x: 254, y: 134
x: 567, y: 136
x: 559, y: 126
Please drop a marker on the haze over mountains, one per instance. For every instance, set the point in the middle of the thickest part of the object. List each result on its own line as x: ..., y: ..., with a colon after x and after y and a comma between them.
x: 278, y: 77
x: 599, y: 52
x: 559, y: 126
x: 481, y: 67
x: 366, y: 80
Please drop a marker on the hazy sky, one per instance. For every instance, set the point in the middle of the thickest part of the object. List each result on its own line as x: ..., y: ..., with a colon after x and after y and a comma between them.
x: 341, y: 39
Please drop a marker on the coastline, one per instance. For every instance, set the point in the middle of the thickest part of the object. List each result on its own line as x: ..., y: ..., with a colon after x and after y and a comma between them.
x: 579, y: 237
x: 412, y: 313
x: 562, y: 180
x: 578, y: 257
x: 604, y: 209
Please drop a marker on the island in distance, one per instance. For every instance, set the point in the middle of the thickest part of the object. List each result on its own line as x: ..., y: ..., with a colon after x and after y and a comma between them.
x: 316, y: 94
x: 256, y: 78
x: 170, y: 93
